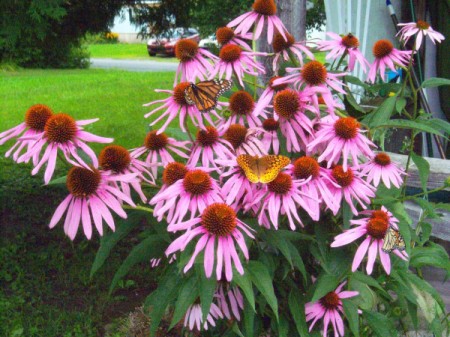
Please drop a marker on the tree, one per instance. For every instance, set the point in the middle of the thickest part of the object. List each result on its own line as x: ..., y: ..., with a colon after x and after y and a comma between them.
x: 47, y: 33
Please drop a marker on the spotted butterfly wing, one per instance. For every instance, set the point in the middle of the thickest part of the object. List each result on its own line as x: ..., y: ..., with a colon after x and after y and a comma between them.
x: 393, y: 240
x: 262, y: 169
x: 204, y: 94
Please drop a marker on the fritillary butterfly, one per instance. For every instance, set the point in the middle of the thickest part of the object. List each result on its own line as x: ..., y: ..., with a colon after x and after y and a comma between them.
x: 262, y: 169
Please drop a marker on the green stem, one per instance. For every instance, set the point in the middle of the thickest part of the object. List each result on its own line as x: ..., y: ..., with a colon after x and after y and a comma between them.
x: 249, y: 82
x: 423, y: 193
x: 61, y: 158
x: 293, y: 59
x: 340, y: 60
x: 141, y: 208
x: 187, y: 130
x: 255, y: 78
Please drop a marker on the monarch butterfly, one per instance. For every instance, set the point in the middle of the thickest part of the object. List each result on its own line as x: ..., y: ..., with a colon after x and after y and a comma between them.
x: 263, y: 169
x: 393, y: 240
x: 205, y: 94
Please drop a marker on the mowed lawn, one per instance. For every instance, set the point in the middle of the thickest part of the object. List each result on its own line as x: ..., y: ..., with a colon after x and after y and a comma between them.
x: 116, y: 97
x: 136, y: 51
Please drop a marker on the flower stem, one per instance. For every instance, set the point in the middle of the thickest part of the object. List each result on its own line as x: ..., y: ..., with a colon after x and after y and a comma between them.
x: 141, y: 208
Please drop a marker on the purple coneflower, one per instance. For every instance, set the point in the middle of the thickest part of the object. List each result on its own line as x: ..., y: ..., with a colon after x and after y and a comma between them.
x: 341, y: 137
x: 242, y: 108
x: 118, y: 161
x: 191, y: 194
x: 316, y: 185
x: 329, y: 308
x: 267, y: 95
x: 34, y: 126
x: 62, y: 132
x: 339, y: 46
x: 348, y: 184
x: 374, y: 227
x: 195, y: 62
x: 380, y: 167
x: 387, y: 56
x: 230, y: 300
x: 194, y: 317
x: 262, y: 10
x: 91, y: 196
x: 422, y: 29
x: 290, y: 108
x: 226, y: 35
x: 270, y: 137
x: 176, y: 105
x: 282, y: 196
x: 218, y: 222
x: 245, y: 141
x: 233, y: 59
x: 157, y: 146
x: 284, y: 45
x: 314, y: 75
x: 209, y: 146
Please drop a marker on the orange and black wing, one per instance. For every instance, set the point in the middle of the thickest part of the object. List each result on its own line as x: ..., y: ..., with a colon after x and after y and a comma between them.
x: 205, y: 94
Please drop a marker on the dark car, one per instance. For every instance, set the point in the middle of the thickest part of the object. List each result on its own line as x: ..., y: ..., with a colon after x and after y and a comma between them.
x: 165, y: 43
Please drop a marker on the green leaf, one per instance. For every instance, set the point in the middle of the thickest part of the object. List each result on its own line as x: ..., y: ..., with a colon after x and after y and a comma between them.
x: 245, y: 284
x: 435, y: 82
x: 400, y: 104
x: 109, y: 241
x: 356, y: 81
x: 424, y: 170
x: 187, y: 296
x: 438, y: 124
x: 369, y: 280
x: 351, y: 312
x: 249, y: 319
x: 57, y: 181
x: 283, y: 327
x: 151, y: 247
x: 351, y: 106
x: 261, y: 279
x: 381, y: 115
x: 297, y: 309
x: 297, y: 260
x: 436, y: 327
x: 432, y: 255
x: 407, y: 124
x: 236, y: 330
x: 428, y: 208
x: 425, y: 232
x: 347, y: 215
x: 324, y: 284
x: 274, y: 239
x: 381, y: 325
x: 207, y: 289
x: 412, y: 310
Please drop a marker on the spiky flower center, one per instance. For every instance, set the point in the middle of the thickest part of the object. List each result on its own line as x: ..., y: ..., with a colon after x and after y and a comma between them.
x: 271, y: 124
x: 330, y: 301
x: 422, y: 24
x: 382, y: 159
x: 305, y: 167
x: 235, y: 135
x: 279, y: 86
x: 377, y: 227
x: 173, y: 172
x: 282, y: 184
x: 115, y: 158
x: 230, y: 53
x: 155, y: 142
x: 224, y: 35
x: 314, y: 73
x: 178, y: 93
x: 36, y: 116
x: 346, y: 127
x: 197, y: 182
x: 219, y: 219
x: 380, y: 214
x: 60, y: 128
x: 382, y: 48
x: 265, y: 7
x: 279, y: 43
x: 350, y: 41
x: 82, y: 182
x: 344, y: 179
x: 207, y: 137
x: 241, y: 103
x: 286, y: 103
x: 186, y: 50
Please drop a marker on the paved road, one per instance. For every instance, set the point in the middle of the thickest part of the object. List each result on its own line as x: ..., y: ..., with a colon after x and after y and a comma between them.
x: 133, y: 65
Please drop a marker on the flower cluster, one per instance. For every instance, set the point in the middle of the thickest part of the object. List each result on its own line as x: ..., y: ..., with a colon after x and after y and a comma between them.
x: 209, y: 196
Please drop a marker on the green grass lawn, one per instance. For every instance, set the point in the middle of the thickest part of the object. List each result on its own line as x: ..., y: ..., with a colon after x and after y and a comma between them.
x: 116, y: 97
x: 136, y: 51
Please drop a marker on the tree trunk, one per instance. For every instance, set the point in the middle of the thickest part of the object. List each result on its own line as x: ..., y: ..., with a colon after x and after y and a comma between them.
x: 293, y: 15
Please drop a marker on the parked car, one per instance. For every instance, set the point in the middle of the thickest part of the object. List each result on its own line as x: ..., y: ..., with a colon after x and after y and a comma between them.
x: 209, y: 43
x: 165, y: 43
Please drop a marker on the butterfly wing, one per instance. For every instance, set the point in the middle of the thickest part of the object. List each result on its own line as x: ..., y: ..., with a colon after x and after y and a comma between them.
x: 205, y: 94
x: 269, y: 167
x: 249, y: 165
x: 393, y: 240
